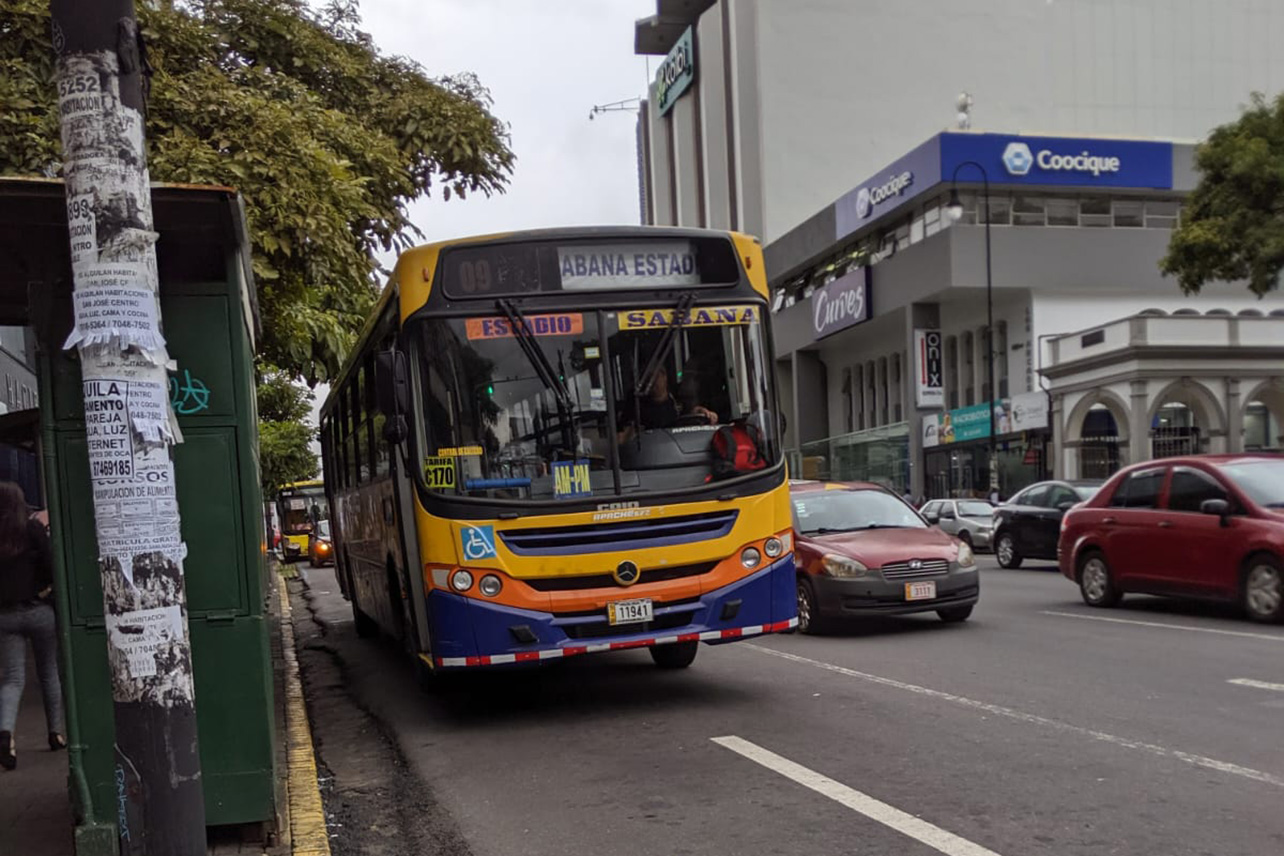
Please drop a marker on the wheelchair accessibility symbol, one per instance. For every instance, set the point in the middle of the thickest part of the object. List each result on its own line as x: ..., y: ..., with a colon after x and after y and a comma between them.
x: 478, y: 542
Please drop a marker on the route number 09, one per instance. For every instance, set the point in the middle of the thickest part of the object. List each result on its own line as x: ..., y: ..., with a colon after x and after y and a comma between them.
x: 474, y: 276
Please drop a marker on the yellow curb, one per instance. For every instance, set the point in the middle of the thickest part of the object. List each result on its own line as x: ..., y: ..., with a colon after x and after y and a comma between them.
x: 308, y: 833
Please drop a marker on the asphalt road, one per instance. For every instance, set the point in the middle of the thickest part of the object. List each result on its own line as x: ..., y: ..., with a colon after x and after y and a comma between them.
x: 1040, y: 726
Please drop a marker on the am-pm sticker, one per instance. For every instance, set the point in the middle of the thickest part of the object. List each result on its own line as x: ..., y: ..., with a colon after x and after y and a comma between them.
x: 562, y: 324
x: 571, y: 479
x: 703, y: 316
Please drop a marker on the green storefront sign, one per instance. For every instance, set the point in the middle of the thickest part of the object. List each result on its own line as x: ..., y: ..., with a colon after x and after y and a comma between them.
x: 676, y: 73
x: 970, y: 423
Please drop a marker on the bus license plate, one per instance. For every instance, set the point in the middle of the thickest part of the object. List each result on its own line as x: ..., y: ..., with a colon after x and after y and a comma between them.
x: 629, y: 611
x: 920, y: 591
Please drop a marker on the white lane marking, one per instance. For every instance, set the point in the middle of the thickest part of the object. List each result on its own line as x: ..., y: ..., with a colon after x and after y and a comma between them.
x: 1034, y: 719
x: 877, y: 810
x: 1261, y: 685
x: 1244, y: 633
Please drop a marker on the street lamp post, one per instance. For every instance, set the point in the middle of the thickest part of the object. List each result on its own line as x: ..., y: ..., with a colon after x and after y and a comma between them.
x: 954, y: 210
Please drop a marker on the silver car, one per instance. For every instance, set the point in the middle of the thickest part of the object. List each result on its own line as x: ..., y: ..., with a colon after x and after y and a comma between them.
x: 970, y: 520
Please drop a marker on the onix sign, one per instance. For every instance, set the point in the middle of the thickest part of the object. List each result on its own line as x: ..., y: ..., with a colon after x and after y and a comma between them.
x: 929, y: 369
x: 841, y: 304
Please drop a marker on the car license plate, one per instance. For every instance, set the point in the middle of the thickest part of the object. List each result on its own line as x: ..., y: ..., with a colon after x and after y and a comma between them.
x: 920, y: 591
x: 629, y: 611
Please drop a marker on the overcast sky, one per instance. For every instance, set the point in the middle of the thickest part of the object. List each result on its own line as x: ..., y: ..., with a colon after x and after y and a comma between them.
x: 546, y: 64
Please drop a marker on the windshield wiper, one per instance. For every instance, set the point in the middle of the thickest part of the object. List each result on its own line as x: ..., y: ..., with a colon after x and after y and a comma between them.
x: 544, y: 369
x: 656, y: 362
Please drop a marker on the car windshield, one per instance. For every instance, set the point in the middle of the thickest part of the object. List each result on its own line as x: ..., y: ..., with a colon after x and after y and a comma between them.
x: 543, y: 413
x: 825, y: 511
x: 1262, y: 481
x: 975, y: 509
x: 1086, y: 491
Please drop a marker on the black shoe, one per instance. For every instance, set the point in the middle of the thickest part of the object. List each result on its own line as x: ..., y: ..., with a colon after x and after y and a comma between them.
x: 56, y: 741
x: 8, y: 759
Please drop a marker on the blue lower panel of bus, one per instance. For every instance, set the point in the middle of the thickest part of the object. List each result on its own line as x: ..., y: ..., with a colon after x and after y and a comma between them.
x: 469, y: 631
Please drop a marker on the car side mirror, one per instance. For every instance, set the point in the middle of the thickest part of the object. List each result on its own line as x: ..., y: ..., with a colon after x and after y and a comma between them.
x: 1065, y: 506
x: 392, y: 394
x: 1219, y: 507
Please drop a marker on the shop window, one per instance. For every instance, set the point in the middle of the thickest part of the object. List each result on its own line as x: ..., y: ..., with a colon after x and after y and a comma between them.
x: 1062, y: 212
x: 969, y: 369
x: 871, y: 400
x: 1095, y: 211
x: 1028, y: 211
x: 951, y: 371
x: 1162, y: 213
x: 1000, y: 210
x: 1129, y: 213
x: 969, y: 217
x: 849, y: 404
x: 931, y: 221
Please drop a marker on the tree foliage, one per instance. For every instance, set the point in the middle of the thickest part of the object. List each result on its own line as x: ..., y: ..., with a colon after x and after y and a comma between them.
x: 1233, y: 224
x: 327, y: 139
x: 285, y: 441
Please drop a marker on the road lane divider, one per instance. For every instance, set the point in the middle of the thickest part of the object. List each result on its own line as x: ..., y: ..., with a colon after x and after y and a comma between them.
x: 1241, y: 633
x: 1033, y: 719
x: 874, y: 809
x: 1260, y: 685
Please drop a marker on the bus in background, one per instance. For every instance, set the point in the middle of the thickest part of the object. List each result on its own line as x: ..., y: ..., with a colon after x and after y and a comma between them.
x: 560, y: 442
x: 298, y: 506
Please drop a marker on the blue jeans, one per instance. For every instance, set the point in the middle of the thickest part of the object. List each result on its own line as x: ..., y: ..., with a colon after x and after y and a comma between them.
x: 36, y: 622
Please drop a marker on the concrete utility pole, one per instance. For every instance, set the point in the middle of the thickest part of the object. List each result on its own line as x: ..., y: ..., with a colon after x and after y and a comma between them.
x: 129, y: 425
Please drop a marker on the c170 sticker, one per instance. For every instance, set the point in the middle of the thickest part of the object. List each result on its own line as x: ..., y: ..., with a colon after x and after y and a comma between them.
x: 439, y: 472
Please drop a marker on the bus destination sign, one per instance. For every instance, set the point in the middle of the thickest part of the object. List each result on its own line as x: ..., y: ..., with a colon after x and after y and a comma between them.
x: 668, y: 264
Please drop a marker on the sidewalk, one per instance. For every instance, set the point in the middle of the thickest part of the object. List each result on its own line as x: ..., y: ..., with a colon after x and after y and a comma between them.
x: 35, y: 807
x: 35, y: 810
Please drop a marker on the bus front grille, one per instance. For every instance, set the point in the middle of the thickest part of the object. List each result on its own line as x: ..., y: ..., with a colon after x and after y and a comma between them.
x: 596, y: 581
x: 634, y: 534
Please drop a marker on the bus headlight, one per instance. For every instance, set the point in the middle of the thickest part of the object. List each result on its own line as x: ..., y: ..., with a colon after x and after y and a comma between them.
x: 490, y: 585
x: 773, y: 547
x: 750, y: 557
x: 461, y: 581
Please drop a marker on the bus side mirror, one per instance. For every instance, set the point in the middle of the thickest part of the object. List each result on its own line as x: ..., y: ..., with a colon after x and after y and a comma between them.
x: 392, y: 394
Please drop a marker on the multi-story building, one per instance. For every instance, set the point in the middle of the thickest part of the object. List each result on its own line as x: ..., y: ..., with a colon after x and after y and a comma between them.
x: 803, y: 122
x: 775, y: 107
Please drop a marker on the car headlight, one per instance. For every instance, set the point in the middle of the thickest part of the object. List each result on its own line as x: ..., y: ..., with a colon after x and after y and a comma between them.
x: 966, y: 559
x: 842, y: 566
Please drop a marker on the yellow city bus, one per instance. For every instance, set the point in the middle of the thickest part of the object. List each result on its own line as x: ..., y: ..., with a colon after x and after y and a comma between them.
x: 560, y: 442
x: 298, y: 506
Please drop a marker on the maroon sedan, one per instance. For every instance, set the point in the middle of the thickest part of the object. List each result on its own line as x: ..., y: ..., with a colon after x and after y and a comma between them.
x: 862, y: 550
x: 1207, y: 526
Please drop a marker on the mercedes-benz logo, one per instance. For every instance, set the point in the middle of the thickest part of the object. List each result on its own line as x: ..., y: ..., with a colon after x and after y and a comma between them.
x: 626, y: 573
x: 915, y: 564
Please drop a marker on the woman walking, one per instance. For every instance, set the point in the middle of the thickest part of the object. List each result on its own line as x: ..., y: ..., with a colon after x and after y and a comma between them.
x: 26, y: 580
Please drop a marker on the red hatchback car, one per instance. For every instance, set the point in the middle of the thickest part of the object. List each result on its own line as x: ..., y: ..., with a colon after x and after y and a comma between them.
x: 1209, y: 526
x: 862, y: 550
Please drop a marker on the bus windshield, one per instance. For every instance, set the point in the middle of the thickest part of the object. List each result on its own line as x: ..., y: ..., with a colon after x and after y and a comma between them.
x: 545, y: 405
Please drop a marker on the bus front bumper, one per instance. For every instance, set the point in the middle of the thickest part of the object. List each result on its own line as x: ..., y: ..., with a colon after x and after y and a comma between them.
x: 469, y: 631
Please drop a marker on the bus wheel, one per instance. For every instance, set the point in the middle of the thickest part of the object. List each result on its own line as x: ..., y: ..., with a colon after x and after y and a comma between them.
x: 677, y: 655
x: 367, y: 627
